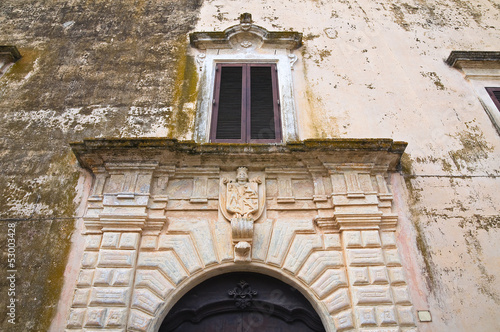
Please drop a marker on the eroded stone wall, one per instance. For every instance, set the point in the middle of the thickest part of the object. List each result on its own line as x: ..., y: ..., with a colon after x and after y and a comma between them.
x: 88, y: 69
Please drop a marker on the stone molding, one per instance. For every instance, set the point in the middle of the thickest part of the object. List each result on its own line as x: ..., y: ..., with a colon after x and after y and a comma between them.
x: 458, y: 58
x: 246, y: 34
x: 481, y: 65
x: 8, y: 56
x: 154, y: 224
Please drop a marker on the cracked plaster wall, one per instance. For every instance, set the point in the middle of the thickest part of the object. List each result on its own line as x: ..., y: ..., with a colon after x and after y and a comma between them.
x: 367, y: 69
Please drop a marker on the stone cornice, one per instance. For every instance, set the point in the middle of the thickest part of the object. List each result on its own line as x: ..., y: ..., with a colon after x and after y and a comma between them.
x: 8, y: 56
x: 460, y: 59
x: 11, y: 52
x: 96, y: 152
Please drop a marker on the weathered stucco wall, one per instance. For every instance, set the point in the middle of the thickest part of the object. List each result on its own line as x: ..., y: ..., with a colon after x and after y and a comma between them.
x: 376, y: 69
x: 366, y: 69
x: 89, y: 68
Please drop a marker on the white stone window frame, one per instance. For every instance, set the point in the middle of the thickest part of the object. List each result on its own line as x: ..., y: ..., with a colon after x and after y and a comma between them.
x: 246, y: 43
x: 482, y: 70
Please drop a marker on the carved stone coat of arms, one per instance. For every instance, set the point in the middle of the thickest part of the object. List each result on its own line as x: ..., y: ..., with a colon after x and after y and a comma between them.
x: 242, y: 202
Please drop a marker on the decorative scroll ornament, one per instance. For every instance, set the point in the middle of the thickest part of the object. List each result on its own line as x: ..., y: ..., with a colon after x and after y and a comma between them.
x: 242, y: 294
x: 200, y: 60
x: 242, y: 203
x: 293, y: 59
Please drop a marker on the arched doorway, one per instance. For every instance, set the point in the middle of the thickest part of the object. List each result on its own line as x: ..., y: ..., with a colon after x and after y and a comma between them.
x: 242, y: 302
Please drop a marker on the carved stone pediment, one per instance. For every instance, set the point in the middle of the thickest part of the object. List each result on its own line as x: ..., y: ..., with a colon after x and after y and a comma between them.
x: 246, y: 35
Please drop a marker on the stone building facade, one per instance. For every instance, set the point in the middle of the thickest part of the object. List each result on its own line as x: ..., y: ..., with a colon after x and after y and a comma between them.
x: 375, y: 199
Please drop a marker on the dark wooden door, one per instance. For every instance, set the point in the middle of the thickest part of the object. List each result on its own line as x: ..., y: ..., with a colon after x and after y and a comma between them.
x: 242, y: 302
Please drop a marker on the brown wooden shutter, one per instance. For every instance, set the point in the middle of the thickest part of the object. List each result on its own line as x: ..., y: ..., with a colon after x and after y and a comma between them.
x: 229, y: 110
x: 246, y: 106
x: 495, y: 95
x: 261, y: 104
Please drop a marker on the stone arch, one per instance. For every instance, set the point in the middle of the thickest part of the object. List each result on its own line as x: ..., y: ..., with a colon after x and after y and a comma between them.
x: 261, y: 268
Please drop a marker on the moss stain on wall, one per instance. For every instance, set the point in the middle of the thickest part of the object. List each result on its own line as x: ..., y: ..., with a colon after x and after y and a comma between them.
x: 186, y: 93
x: 429, y: 270
x: 84, y: 72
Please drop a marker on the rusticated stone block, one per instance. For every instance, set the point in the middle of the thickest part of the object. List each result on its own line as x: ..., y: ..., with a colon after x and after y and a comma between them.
x: 396, y: 275
x: 166, y: 262
x: 117, y: 317
x: 155, y: 281
x: 184, y: 248
x: 92, y: 242
x: 366, y: 316
x: 386, y: 315
x: 364, y: 257
x: 405, y: 314
x: 392, y: 257
x: 145, y: 300
x: 81, y: 297
x: 95, y: 317
x: 129, y: 241
x: 371, y: 239
x: 112, y: 277
x: 110, y: 240
x: 149, y: 242
x: 282, y: 235
x: 337, y: 301
x: 352, y: 239
x: 85, y: 277
x: 302, y: 245
x: 76, y: 317
x: 359, y: 276
x: 89, y: 259
x: 318, y: 262
x: 105, y: 296
x: 372, y: 295
x: 116, y: 258
x: 401, y: 295
x: 378, y: 275
x: 202, y: 235
x: 139, y: 321
x: 332, y: 241
x: 329, y: 282
x: 388, y: 239
x: 343, y: 321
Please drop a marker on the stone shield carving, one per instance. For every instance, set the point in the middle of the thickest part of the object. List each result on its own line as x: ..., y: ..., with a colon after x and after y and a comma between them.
x: 242, y: 201
x: 242, y: 198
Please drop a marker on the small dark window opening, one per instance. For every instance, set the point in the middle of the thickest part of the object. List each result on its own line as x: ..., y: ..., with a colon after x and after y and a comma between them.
x: 246, y: 104
x: 495, y: 95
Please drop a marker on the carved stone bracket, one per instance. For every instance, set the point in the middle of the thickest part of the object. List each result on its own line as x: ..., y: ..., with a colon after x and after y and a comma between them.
x: 327, y: 224
x: 293, y: 58
x: 242, y: 232
x: 200, y: 60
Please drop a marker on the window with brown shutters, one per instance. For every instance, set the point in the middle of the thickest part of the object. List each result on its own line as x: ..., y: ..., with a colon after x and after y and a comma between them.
x: 246, y: 104
x: 495, y: 95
